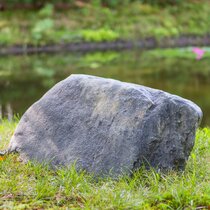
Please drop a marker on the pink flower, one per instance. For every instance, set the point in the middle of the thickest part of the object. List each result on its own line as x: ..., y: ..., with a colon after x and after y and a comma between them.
x: 199, y: 52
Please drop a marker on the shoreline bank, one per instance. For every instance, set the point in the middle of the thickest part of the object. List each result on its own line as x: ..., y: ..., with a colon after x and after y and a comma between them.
x: 142, y: 44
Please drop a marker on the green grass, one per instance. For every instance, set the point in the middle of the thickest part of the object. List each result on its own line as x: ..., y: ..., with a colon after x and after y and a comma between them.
x: 35, y: 186
x: 95, y: 23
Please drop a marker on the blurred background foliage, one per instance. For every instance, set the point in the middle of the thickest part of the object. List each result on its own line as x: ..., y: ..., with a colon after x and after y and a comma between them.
x: 109, y: 3
x: 56, y: 21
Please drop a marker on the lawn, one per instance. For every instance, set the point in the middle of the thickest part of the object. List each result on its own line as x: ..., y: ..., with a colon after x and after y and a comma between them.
x: 35, y: 186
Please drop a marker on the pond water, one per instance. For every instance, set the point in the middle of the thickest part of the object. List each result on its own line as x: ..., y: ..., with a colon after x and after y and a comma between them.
x: 24, y: 79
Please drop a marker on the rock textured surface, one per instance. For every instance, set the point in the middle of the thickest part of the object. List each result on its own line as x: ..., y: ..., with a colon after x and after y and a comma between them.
x: 107, y: 127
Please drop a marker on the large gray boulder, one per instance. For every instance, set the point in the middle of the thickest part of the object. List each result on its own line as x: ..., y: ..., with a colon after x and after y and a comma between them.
x: 107, y: 127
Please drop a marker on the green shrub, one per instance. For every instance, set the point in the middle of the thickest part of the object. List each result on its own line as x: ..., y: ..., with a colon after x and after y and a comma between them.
x: 99, y: 35
x: 42, y: 28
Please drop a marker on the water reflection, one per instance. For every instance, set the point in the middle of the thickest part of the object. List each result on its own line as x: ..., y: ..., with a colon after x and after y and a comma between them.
x: 25, y: 79
x: 6, y: 111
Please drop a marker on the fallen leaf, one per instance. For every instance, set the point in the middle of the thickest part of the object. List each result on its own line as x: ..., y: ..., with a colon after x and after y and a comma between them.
x: 2, y: 158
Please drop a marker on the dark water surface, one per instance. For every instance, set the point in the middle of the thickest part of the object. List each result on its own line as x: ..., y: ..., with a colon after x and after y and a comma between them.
x: 24, y: 79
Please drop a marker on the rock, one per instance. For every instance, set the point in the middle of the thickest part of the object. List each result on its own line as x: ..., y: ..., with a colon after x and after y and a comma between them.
x: 107, y: 127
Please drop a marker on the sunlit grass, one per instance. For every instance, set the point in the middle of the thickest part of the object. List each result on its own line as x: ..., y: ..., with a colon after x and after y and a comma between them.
x: 36, y: 186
